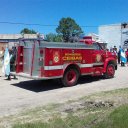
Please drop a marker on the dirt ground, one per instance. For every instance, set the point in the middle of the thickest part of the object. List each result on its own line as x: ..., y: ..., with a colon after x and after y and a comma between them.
x: 17, y: 95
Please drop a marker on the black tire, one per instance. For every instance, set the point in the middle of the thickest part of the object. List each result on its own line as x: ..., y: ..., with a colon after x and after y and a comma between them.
x: 110, y: 71
x: 70, y: 77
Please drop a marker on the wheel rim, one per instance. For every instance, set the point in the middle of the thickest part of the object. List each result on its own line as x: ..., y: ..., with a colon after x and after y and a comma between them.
x: 71, y: 77
x: 111, y: 71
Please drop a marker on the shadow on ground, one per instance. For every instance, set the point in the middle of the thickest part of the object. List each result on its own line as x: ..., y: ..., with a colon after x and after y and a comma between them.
x: 46, y: 85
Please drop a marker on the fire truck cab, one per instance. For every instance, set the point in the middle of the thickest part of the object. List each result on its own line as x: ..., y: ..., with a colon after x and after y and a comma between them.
x: 38, y: 59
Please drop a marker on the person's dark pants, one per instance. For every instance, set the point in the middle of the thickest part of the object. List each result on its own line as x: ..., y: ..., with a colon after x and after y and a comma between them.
x: 12, y: 69
x: 118, y: 60
x: 122, y: 64
x: 9, y: 77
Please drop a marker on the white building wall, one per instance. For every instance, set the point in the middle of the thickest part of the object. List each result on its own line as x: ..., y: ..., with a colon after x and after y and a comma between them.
x: 110, y: 34
x: 124, y: 42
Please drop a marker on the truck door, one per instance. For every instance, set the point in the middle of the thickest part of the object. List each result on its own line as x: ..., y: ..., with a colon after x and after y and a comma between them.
x: 86, y: 65
x: 97, y: 55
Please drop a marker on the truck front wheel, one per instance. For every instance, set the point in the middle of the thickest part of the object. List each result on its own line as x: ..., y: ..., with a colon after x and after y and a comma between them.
x: 110, y: 71
x: 70, y: 77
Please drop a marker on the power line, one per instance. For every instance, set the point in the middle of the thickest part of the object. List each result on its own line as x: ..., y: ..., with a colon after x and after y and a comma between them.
x: 18, y: 23
x: 52, y: 25
x: 89, y: 26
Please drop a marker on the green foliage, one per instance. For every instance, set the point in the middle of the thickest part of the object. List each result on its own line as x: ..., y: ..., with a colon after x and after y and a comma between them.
x: 67, y: 28
x: 28, y: 31
x: 117, y: 119
x: 53, y: 38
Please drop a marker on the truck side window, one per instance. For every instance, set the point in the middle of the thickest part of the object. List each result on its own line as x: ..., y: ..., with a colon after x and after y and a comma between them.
x: 96, y: 46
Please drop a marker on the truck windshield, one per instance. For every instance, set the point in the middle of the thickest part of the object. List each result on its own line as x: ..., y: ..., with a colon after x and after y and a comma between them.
x: 97, y: 46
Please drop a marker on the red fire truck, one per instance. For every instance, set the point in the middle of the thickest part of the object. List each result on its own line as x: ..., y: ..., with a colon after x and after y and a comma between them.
x: 38, y: 59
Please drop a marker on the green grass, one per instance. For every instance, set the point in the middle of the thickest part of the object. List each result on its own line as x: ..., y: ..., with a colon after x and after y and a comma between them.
x: 32, y: 125
x: 116, y: 119
x: 100, y: 110
x: 69, y: 122
x: 108, y: 94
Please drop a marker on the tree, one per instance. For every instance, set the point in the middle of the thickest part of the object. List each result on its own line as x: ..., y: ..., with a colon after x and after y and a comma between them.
x: 28, y: 31
x: 53, y: 37
x: 68, y: 28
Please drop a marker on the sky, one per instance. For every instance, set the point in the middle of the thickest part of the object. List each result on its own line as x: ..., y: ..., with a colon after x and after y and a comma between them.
x: 89, y: 14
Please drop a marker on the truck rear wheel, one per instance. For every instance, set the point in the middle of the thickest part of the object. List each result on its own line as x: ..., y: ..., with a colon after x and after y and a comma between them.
x: 110, y: 71
x: 70, y: 77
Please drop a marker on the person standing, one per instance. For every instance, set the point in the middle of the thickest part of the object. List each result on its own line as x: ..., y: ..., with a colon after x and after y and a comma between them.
x: 13, y: 60
x: 115, y: 50
x: 122, y: 57
x: 127, y: 55
x: 118, y: 56
x: 6, y: 64
x: 1, y: 58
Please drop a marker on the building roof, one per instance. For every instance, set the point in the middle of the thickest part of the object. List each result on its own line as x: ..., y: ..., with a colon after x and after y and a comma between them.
x: 118, y: 24
x: 17, y: 36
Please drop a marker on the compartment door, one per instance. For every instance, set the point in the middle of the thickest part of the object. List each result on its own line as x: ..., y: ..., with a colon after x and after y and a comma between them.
x: 27, y: 52
x: 35, y: 68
